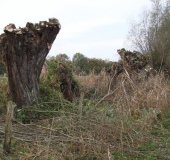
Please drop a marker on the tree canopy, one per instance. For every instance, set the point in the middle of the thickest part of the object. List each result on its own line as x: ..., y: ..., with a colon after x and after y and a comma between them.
x: 83, y: 64
x: 151, y: 34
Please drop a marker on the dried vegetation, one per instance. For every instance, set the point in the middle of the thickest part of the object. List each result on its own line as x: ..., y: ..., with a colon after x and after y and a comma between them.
x: 122, y: 118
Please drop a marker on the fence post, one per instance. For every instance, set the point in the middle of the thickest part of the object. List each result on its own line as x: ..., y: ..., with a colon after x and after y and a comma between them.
x: 8, y: 126
x: 81, y: 104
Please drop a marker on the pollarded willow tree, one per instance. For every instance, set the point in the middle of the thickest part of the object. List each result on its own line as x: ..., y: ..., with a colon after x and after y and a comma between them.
x: 23, y: 52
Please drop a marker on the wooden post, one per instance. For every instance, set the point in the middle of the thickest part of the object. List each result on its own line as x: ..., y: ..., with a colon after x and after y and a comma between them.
x: 8, y: 126
x: 81, y: 103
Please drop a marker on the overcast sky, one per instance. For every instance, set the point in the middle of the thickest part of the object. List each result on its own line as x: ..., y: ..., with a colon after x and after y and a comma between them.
x: 95, y: 28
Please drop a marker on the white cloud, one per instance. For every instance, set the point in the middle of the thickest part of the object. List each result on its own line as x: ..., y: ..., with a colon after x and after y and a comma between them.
x: 73, y: 29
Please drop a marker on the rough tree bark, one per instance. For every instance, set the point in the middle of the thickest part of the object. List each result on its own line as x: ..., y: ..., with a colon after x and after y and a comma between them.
x: 24, y: 51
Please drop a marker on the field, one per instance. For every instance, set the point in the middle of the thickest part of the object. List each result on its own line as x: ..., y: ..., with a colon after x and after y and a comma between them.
x: 122, y: 119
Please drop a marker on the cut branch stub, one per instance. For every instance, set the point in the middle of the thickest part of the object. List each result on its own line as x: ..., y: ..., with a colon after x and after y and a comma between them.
x: 23, y: 51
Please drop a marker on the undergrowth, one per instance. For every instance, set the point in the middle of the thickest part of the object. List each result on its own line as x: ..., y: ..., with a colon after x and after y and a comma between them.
x: 4, y: 93
x: 129, y: 120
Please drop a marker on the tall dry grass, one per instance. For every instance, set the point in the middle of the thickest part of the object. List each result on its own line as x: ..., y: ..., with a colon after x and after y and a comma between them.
x: 93, y: 84
x: 114, y: 121
x: 139, y: 99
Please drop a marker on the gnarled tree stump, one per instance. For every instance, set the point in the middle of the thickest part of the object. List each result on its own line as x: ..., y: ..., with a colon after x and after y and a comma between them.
x: 24, y: 51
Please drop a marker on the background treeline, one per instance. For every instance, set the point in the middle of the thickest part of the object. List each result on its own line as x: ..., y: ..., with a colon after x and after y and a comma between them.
x: 81, y: 64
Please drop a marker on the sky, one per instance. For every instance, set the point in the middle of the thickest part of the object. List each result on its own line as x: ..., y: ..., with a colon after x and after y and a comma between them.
x: 95, y: 28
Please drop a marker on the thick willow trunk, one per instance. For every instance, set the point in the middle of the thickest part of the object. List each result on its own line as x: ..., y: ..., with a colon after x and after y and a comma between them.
x: 24, y: 51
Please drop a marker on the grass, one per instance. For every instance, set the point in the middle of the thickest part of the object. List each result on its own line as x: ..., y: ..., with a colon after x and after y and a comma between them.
x: 129, y: 119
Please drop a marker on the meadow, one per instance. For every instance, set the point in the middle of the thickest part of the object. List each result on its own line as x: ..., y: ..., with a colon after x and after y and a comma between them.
x: 126, y: 119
